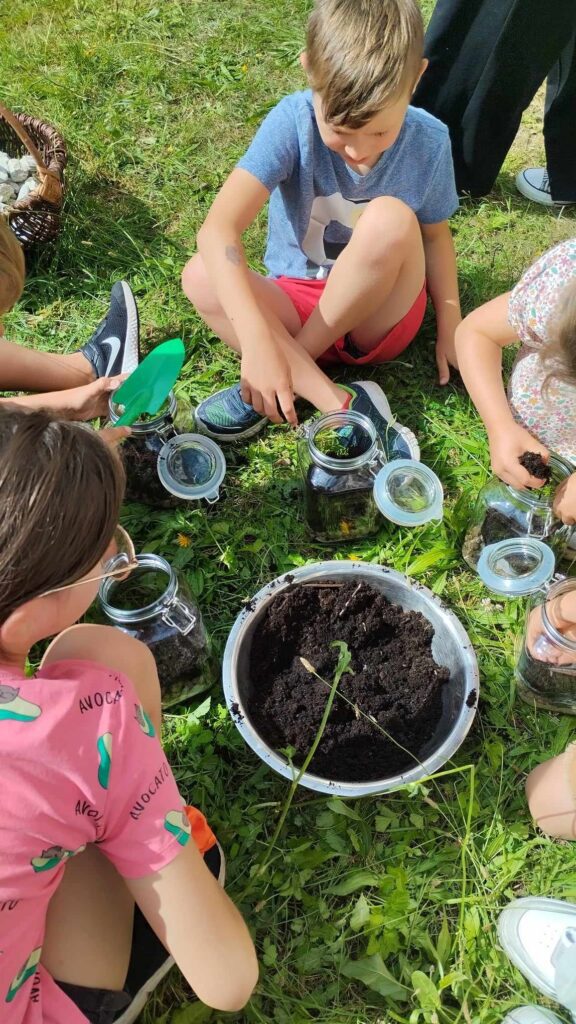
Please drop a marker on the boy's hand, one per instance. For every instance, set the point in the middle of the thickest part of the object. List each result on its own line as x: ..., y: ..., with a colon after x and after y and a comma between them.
x: 507, y: 444
x: 565, y: 501
x: 267, y: 384
x: 445, y: 356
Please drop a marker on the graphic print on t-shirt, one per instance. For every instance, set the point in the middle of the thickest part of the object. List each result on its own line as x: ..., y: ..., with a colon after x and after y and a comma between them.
x: 143, y: 720
x: 104, y: 746
x: 24, y: 973
x: 53, y: 856
x: 177, y: 823
x: 15, y: 708
x: 325, y: 236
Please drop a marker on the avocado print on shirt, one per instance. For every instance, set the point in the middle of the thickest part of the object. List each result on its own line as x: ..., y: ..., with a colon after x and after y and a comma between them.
x: 15, y: 708
x: 53, y: 856
x: 104, y: 747
x: 24, y: 973
x: 143, y: 721
x: 177, y: 823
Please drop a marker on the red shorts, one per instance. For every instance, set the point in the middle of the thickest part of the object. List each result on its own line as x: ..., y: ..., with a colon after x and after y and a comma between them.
x: 305, y: 295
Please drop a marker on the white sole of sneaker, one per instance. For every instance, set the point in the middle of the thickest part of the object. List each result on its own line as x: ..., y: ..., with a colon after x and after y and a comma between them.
x: 130, y: 359
x: 531, y: 1014
x: 227, y: 438
x: 379, y: 399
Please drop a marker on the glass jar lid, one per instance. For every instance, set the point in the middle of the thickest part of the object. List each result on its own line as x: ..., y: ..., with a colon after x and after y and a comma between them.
x: 192, y: 466
x: 408, y: 493
x: 516, y: 567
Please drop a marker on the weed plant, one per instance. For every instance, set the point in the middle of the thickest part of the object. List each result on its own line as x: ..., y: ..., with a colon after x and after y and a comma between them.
x: 372, y: 911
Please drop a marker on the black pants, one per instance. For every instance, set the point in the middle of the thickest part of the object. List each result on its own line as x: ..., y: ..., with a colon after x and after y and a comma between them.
x: 487, y: 60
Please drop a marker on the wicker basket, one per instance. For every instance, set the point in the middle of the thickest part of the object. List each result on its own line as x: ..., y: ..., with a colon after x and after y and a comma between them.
x: 36, y: 218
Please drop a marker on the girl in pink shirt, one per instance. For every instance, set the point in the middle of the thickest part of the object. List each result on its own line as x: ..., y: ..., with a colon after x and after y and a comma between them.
x: 92, y: 822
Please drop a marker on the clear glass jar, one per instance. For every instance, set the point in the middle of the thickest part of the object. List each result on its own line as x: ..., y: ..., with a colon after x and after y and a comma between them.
x: 154, y: 605
x: 140, y: 451
x: 546, y: 669
x: 348, y: 485
x: 502, y: 512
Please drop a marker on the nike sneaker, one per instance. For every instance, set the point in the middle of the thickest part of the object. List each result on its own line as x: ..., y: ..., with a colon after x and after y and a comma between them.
x: 114, y: 347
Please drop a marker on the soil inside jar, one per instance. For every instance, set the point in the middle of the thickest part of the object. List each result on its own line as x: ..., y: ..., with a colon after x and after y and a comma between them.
x: 140, y: 457
x: 534, y: 463
x: 547, y: 685
x: 395, y: 679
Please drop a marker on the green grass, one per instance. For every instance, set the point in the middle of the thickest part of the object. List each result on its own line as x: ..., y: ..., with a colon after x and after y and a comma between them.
x: 372, y: 911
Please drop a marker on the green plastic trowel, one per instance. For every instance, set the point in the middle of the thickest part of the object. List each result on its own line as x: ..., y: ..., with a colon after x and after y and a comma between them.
x: 148, y: 387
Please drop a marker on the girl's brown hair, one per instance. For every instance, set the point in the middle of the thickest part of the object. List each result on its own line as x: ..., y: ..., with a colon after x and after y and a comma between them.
x: 12, y: 268
x: 362, y: 55
x: 559, y: 356
x: 61, y: 490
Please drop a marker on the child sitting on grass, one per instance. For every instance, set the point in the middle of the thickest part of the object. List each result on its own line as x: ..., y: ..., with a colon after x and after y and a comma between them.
x: 92, y: 820
x: 539, y: 414
x: 75, y: 386
x: 360, y: 186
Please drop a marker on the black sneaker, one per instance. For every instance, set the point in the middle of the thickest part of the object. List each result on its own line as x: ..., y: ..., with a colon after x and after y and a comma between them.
x: 149, y: 960
x: 114, y: 347
x: 226, y: 417
x: 399, y: 442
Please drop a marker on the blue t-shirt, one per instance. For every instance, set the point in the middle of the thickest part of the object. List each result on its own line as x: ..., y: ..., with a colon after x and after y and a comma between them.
x: 315, y: 196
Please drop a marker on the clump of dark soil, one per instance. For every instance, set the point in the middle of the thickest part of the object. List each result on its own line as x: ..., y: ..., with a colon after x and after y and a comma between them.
x: 143, y: 484
x: 395, y: 679
x: 534, y: 463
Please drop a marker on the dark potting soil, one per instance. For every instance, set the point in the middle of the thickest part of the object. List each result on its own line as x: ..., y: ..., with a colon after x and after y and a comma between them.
x: 340, y: 506
x: 547, y: 685
x: 536, y: 466
x: 184, y: 665
x: 395, y: 679
x: 142, y: 482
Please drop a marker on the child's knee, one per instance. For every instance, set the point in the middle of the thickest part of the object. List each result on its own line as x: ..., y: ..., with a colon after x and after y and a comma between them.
x: 551, y: 793
x: 386, y: 222
x: 197, y: 287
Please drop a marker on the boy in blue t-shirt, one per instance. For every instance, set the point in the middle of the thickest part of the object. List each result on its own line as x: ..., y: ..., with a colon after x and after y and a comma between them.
x: 361, y: 186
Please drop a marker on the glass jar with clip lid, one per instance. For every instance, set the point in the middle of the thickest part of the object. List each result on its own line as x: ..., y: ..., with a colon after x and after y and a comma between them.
x: 349, y: 485
x: 154, y: 605
x: 546, y: 660
x: 503, y: 511
x: 166, y: 466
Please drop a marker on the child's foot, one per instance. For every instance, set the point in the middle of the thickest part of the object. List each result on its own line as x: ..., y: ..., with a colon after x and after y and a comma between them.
x: 369, y: 399
x: 113, y: 349
x: 539, y: 936
x: 149, y: 960
x: 534, y: 184
x: 226, y: 417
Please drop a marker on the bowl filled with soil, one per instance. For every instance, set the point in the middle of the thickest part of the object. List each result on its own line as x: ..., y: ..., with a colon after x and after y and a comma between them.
x: 398, y: 715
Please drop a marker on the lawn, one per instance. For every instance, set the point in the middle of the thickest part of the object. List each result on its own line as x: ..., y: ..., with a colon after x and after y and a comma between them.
x: 369, y: 911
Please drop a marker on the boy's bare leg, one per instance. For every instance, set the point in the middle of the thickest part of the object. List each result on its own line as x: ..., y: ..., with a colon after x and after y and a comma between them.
x: 374, y: 282
x: 308, y: 380
x: 372, y: 285
x: 27, y: 369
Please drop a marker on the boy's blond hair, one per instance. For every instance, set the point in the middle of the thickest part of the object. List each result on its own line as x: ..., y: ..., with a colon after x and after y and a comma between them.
x: 361, y: 55
x: 12, y: 268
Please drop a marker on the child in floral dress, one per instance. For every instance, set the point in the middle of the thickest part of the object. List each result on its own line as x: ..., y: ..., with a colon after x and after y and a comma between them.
x: 539, y: 413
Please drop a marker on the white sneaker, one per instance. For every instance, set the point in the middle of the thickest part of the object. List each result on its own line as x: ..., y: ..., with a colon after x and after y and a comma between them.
x: 539, y: 936
x: 531, y: 1015
x: 533, y: 182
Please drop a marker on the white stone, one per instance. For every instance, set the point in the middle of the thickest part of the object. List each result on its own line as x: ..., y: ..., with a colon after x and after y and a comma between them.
x: 3, y: 174
x: 4, y: 161
x: 16, y: 171
x: 29, y: 185
x: 7, y: 192
x: 29, y: 163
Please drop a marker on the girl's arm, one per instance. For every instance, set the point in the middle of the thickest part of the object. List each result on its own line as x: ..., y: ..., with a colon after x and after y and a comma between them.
x: 265, y: 372
x: 480, y: 339
x: 202, y: 928
x: 442, y: 282
x: 565, y: 501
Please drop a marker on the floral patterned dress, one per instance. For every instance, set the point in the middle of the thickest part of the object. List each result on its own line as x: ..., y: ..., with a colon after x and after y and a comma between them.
x: 550, y: 416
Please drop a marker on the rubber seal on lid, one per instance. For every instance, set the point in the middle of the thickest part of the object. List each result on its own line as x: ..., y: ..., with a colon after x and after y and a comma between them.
x: 192, y: 467
x: 408, y: 493
x: 516, y: 567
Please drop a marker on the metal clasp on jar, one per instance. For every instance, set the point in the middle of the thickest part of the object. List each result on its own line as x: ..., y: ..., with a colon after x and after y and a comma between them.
x: 178, y: 614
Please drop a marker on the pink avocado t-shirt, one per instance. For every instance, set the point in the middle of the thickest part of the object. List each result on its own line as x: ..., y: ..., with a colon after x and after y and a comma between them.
x: 79, y: 763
